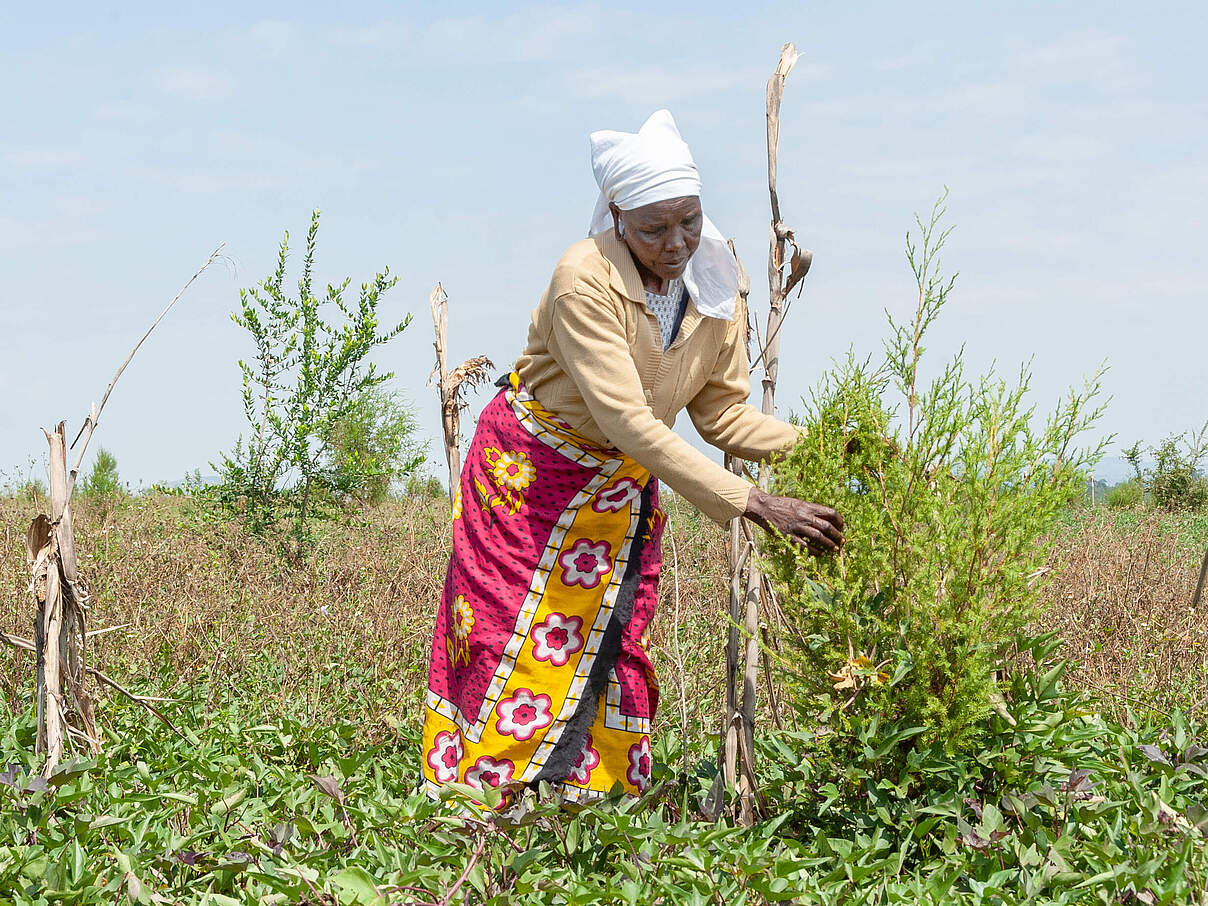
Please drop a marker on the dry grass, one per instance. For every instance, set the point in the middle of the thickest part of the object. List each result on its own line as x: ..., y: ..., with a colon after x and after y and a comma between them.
x: 209, y: 615
x: 205, y: 610
x: 1122, y: 603
x: 213, y: 617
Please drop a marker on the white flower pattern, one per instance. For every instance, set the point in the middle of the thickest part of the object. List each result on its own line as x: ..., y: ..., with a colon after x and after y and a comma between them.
x: 639, y: 763
x: 445, y: 756
x: 587, y: 761
x: 523, y: 714
x: 585, y: 563
x: 489, y: 772
x: 511, y: 468
x: 557, y: 638
x: 617, y: 496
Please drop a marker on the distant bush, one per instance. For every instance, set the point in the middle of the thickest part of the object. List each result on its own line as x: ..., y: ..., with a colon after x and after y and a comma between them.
x: 192, y: 485
x: 32, y: 489
x: 949, y: 498
x: 1124, y: 495
x: 373, y: 446
x: 103, y: 481
x: 23, y: 483
x: 102, y: 486
x: 423, y: 487
x: 1176, y: 480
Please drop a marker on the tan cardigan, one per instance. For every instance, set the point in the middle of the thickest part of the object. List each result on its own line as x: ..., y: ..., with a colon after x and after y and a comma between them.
x: 595, y: 358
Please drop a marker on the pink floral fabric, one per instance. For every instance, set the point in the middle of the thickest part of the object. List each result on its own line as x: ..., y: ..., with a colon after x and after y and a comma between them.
x: 539, y: 670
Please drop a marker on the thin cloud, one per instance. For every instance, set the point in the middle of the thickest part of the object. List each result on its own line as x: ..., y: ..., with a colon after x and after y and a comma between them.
x: 1091, y: 57
x: 42, y: 158
x: 120, y: 111
x: 270, y: 39
x: 217, y: 180
x: 42, y: 232
x: 530, y: 36
x: 1058, y: 148
x: 382, y: 34
x: 899, y: 62
x: 654, y: 84
x: 201, y: 84
x: 1177, y: 179
x: 526, y: 37
x: 1029, y: 80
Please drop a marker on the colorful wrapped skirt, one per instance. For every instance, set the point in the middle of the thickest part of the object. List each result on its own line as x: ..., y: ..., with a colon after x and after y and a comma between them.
x: 539, y: 670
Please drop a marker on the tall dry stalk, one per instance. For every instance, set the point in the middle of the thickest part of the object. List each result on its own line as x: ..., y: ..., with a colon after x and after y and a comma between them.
x: 64, y: 708
x: 65, y: 713
x: 749, y: 591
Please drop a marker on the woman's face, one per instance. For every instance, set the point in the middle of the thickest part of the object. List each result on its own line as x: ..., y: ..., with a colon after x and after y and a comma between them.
x: 662, y: 236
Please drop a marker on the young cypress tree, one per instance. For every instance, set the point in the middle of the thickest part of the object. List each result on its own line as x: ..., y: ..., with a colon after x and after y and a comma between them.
x: 949, y: 492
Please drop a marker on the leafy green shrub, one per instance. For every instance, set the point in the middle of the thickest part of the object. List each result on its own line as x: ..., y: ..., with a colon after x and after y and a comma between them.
x: 303, y: 395
x: 1176, y: 481
x: 947, y: 501
x: 1124, y: 495
x: 372, y: 446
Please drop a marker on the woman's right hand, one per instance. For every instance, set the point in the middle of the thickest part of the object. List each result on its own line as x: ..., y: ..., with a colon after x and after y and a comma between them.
x: 818, y: 528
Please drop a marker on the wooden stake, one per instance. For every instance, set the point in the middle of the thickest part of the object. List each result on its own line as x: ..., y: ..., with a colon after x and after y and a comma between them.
x: 64, y: 707
x: 450, y: 420
x: 748, y: 593
x: 470, y: 373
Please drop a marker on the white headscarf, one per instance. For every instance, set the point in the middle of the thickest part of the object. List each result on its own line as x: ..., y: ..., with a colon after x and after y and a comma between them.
x: 653, y: 164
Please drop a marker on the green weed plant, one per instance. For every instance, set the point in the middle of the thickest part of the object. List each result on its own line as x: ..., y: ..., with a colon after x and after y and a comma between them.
x: 102, y: 486
x: 1125, y: 495
x: 949, y: 490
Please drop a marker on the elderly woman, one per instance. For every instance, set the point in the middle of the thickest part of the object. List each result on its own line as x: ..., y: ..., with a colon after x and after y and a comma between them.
x: 539, y: 670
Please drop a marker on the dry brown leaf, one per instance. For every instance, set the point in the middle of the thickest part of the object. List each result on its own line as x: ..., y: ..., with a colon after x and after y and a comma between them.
x: 799, y: 266
x: 330, y: 786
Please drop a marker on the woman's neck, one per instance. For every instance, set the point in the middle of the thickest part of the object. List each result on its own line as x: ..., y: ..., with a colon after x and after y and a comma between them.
x: 651, y: 281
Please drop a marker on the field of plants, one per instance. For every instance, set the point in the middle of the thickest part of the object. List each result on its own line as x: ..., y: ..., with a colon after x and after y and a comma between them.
x: 994, y: 694
x: 288, y: 773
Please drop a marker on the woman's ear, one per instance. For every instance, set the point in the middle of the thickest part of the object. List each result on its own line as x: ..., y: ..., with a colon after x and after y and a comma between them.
x: 617, y: 226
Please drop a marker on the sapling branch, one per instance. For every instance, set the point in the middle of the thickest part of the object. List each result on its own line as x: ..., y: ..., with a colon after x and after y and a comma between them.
x: 90, y: 422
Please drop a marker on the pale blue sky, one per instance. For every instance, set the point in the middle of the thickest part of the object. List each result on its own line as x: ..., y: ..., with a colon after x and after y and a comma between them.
x: 450, y: 144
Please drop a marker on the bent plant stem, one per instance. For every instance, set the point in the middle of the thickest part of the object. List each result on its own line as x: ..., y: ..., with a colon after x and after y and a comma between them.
x: 65, y: 713
x: 94, y: 416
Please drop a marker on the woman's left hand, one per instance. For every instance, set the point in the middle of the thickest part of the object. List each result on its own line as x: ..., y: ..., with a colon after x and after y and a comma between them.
x: 819, y: 528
